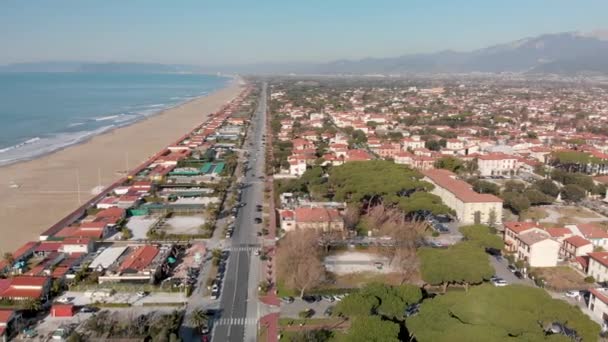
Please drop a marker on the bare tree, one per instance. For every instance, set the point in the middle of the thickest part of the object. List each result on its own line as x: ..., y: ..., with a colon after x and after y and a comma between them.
x: 299, y: 260
x: 404, y: 236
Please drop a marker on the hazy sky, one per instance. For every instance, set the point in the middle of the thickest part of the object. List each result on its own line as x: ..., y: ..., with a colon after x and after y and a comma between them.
x: 250, y: 31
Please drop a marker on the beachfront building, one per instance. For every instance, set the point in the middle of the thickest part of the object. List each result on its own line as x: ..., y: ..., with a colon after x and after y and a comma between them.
x: 470, y: 207
x: 25, y: 288
x: 141, y: 264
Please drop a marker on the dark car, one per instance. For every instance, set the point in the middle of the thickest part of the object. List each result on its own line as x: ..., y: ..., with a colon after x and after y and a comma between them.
x: 512, y: 268
x: 329, y: 311
x: 309, y: 299
x: 89, y: 309
x: 518, y: 274
x: 411, y: 310
x: 257, y: 220
x: 493, y: 251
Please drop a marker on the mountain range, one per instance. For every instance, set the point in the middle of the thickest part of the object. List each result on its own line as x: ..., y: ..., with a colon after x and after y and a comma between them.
x: 569, y: 53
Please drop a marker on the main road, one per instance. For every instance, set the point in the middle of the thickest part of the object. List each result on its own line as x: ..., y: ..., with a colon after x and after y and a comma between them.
x: 238, y: 310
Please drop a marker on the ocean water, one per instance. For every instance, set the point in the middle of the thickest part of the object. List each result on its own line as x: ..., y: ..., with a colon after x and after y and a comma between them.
x: 43, y: 112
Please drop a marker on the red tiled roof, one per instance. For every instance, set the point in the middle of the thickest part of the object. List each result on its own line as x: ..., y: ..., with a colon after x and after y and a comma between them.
x: 111, y: 212
x: 601, y: 257
x: 577, y: 241
x: 317, y: 215
x: 139, y: 259
x: 459, y: 188
x: 28, y: 246
x: 28, y: 281
x: 5, y: 315
x: 48, y: 247
x: 591, y: 231
x: 583, y: 261
x: 519, y: 227
x: 558, y: 231
x: 599, y: 294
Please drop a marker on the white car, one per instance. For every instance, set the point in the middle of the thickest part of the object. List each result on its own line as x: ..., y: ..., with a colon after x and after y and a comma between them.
x: 573, y: 294
x: 499, y: 282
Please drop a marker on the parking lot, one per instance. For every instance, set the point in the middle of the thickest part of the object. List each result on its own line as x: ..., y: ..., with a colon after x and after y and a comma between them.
x: 79, y: 298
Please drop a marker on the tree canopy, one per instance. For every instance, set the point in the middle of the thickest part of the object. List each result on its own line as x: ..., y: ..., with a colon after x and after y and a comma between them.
x: 488, y: 313
x: 464, y: 263
x: 482, y: 235
x: 378, y: 181
x: 379, y: 299
x: 450, y: 163
x: 372, y: 329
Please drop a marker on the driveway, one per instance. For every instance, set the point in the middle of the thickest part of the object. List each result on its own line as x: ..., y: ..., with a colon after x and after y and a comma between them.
x: 501, y: 270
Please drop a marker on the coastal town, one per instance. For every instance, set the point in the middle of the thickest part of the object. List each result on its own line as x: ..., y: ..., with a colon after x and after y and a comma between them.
x: 337, y: 208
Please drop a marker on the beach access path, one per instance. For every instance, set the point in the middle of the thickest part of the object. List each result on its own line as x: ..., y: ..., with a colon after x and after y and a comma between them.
x: 47, y: 187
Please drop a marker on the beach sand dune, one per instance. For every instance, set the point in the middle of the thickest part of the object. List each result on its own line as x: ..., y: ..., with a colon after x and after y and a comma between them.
x: 36, y: 194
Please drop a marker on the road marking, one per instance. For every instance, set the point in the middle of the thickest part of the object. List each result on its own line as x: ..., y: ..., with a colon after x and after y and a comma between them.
x: 238, y: 321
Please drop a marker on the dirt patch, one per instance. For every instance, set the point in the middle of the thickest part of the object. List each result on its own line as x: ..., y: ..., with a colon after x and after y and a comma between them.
x: 561, y: 278
x: 534, y: 214
x: 577, y: 212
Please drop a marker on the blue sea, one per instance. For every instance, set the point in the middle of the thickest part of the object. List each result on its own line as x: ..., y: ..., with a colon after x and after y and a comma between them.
x: 44, y: 112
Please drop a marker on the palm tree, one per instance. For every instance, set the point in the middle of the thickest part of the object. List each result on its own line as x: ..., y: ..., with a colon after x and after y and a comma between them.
x: 199, y: 318
x: 9, y: 258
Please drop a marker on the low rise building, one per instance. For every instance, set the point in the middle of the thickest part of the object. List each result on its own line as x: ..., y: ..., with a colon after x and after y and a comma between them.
x: 470, y: 207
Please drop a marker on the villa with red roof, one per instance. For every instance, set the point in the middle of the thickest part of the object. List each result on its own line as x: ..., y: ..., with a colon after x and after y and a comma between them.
x: 470, y: 207
x: 324, y: 219
x: 495, y: 164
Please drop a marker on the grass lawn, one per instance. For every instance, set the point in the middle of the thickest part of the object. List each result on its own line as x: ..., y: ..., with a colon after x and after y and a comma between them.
x: 561, y: 278
x: 534, y: 214
x: 288, y: 332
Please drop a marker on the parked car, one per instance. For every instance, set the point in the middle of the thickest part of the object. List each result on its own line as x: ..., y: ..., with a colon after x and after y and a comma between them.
x: 257, y: 220
x: 499, y: 282
x: 512, y: 268
x: 287, y: 300
x: 64, y: 300
x: 328, y: 298
x: 88, y: 309
x: 573, y: 294
x: 411, y: 310
x: 329, y: 311
x: 518, y: 274
x: 309, y: 299
x: 142, y: 294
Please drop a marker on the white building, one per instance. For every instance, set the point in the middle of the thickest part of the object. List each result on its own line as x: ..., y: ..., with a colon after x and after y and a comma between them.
x: 495, y: 164
x: 470, y: 206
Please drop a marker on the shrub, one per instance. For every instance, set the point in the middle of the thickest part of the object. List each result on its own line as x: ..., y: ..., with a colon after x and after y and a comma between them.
x: 589, y: 280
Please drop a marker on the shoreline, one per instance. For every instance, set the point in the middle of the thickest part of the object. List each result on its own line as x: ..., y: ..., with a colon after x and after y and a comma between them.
x: 37, y: 193
x: 230, y: 81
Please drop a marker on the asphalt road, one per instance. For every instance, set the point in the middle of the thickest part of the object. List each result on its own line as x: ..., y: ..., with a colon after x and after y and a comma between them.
x: 238, y: 304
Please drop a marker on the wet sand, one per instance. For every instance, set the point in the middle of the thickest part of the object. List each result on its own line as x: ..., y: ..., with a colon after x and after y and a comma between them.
x: 48, y: 185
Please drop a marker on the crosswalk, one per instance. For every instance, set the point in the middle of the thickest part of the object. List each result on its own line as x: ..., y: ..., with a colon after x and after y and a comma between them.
x: 236, y: 321
x: 242, y: 249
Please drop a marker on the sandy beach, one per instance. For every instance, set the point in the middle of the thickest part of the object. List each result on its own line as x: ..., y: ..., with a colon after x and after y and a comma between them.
x: 48, y: 185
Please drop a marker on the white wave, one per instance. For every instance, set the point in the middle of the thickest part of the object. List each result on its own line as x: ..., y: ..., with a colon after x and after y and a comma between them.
x: 158, y: 105
x: 29, y: 141
x: 76, y: 124
x: 37, y: 147
x: 105, y: 118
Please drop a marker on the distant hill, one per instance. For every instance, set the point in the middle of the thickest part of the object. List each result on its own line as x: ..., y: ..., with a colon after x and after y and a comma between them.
x: 568, y: 53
